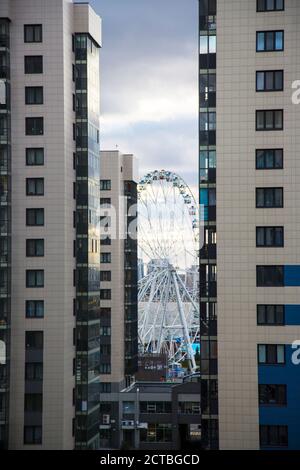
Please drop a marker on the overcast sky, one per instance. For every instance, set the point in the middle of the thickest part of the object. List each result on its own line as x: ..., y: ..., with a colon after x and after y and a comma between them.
x: 149, y: 82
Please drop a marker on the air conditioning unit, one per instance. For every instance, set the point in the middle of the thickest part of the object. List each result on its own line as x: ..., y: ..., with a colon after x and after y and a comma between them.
x: 106, y: 419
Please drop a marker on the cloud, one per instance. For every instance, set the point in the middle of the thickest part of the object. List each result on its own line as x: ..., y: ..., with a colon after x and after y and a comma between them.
x: 149, y: 82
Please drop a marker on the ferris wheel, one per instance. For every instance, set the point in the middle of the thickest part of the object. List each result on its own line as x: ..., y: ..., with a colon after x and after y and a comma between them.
x: 168, y: 240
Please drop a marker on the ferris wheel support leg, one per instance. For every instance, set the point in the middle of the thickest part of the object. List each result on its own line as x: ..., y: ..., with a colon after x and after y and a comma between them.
x: 165, y: 302
x: 189, y: 348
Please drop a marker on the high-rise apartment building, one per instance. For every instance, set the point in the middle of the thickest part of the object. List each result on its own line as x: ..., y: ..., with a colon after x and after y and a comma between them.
x: 49, y: 237
x: 118, y: 294
x: 249, y: 131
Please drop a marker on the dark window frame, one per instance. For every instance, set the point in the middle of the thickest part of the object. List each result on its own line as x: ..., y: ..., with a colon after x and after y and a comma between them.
x: 105, y: 276
x: 265, y: 167
x: 265, y: 128
x: 265, y: 7
x: 267, y: 430
x: 34, y: 149
x: 35, y: 304
x: 36, y: 181
x: 28, y: 210
x: 32, y: 127
x: 35, y: 273
x: 105, y: 185
x: 264, y: 197
x: 278, y: 394
x: 269, y: 362
x: 36, y: 377
x: 35, y: 90
x: 35, y: 27
x: 265, y: 228
x: 105, y: 294
x: 265, y: 32
x: 35, y: 440
x: 266, y: 90
x: 265, y: 308
x: 33, y: 402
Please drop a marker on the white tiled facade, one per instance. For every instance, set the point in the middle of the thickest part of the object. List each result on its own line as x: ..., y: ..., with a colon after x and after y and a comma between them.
x: 59, y: 19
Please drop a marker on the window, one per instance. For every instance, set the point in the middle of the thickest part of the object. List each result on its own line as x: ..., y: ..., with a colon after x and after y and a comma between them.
x: 105, y: 294
x: 269, y: 197
x: 35, y: 186
x: 32, y: 434
x: 270, y: 5
x: 269, y: 236
x: 269, y: 276
x: 34, y: 308
x: 105, y: 201
x: 105, y: 257
x: 156, y: 407
x: 34, y: 156
x: 269, y: 159
x: 270, y: 315
x: 34, y: 278
x: 105, y: 185
x: 273, y: 435
x: 34, y: 371
x: 208, y: 121
x: 34, y: 247
x: 271, y: 354
x: 105, y: 276
x: 34, y: 340
x: 269, y: 120
x: 35, y: 126
x: 269, y: 80
x: 268, y: 41
x: 208, y: 44
x: 105, y: 387
x: 105, y: 349
x: 156, y: 433
x: 105, y: 241
x: 34, y: 95
x: 33, y: 33
x: 33, y: 64
x: 34, y: 217
x: 105, y: 331
x: 191, y: 408
x: 272, y: 394
x: 33, y: 402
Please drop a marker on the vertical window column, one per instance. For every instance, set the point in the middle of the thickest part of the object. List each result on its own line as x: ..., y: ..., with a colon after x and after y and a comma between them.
x: 5, y: 227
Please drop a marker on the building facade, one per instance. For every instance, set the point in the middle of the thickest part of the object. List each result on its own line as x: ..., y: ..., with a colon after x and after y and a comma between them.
x: 208, y: 252
x: 119, y: 267
x: 50, y: 271
x: 256, y: 62
x: 153, y: 416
